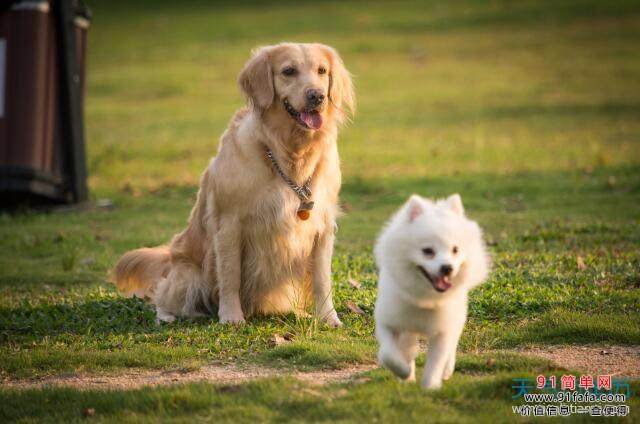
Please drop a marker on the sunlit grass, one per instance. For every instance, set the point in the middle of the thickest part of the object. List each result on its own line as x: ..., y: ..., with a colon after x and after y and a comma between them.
x: 528, y: 109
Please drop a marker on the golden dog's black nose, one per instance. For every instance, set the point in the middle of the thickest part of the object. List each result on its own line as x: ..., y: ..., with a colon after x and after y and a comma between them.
x: 314, y: 97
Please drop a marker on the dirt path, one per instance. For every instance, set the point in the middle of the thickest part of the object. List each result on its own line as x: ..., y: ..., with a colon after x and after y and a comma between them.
x: 220, y: 374
x: 614, y: 360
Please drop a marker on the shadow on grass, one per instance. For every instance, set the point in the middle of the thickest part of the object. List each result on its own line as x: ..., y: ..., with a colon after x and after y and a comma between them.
x: 562, y: 326
x: 554, y: 327
x: 374, y: 396
x: 331, y: 350
x: 92, y: 317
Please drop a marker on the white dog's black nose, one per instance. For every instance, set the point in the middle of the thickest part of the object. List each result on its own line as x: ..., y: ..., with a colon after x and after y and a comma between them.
x: 446, y: 269
x: 314, y: 97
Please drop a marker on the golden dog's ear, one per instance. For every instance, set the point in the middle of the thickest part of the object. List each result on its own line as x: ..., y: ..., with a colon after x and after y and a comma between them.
x: 256, y: 80
x: 341, y: 92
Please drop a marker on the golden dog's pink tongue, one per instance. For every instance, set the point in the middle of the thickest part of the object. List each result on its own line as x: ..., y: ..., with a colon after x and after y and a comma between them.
x: 311, y: 119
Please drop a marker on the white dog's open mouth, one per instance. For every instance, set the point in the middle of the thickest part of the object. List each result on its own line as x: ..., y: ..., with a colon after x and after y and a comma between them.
x: 311, y: 119
x: 441, y: 284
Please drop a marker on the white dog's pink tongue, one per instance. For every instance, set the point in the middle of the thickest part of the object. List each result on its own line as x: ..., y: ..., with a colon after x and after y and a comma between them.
x: 313, y: 119
x: 442, y: 284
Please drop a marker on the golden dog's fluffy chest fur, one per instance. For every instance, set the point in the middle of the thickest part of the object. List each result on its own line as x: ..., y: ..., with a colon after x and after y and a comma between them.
x: 277, y: 253
x: 276, y: 244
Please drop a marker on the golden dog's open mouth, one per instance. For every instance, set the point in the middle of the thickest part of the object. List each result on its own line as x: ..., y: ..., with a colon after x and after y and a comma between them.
x: 441, y: 284
x: 311, y: 120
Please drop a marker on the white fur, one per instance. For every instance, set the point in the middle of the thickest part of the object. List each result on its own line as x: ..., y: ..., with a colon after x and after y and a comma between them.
x: 408, y: 305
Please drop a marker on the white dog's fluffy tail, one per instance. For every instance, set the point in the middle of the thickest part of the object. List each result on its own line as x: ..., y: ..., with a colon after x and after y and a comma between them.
x: 139, y: 271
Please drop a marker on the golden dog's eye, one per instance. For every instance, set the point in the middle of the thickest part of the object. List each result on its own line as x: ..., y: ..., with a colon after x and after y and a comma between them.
x: 455, y: 250
x: 289, y: 71
x: 322, y: 70
x: 428, y: 251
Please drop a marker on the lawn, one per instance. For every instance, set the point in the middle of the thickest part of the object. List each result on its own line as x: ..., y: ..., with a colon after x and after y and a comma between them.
x: 529, y: 109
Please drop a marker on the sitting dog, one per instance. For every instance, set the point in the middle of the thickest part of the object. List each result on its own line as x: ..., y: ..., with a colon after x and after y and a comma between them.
x: 260, y: 236
x: 429, y: 256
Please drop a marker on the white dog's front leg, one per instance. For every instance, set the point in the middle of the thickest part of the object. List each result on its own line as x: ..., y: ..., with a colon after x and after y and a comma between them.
x: 228, y: 262
x: 408, y: 344
x: 440, y: 348
x: 322, y: 286
x: 450, y: 365
x: 390, y: 355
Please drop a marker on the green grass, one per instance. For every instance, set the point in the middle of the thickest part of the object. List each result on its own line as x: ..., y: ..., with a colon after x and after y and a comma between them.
x: 528, y: 109
x: 476, y: 394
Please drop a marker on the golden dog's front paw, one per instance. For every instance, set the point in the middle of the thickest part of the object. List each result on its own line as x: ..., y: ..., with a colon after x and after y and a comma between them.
x: 231, y: 317
x: 233, y: 321
x: 332, y: 320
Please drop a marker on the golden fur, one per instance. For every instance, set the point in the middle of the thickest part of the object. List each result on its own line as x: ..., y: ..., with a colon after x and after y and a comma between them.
x: 244, y: 249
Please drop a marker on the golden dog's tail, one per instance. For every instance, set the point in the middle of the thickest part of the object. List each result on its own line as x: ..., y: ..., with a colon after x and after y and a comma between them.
x: 139, y: 271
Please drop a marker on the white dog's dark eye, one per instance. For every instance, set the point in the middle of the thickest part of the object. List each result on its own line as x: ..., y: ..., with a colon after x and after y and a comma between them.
x: 322, y: 70
x: 455, y: 250
x: 289, y: 71
x: 428, y: 251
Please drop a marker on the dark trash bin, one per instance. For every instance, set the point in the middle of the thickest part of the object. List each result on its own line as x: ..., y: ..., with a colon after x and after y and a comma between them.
x: 42, y: 77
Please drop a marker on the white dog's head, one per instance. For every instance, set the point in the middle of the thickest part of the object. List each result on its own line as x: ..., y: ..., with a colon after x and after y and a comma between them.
x: 435, y: 244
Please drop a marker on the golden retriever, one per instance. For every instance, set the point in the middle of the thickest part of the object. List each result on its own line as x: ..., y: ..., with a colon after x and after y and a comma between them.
x: 253, y: 245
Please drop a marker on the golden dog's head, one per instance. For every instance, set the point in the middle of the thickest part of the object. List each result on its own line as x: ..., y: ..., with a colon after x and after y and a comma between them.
x: 306, y: 83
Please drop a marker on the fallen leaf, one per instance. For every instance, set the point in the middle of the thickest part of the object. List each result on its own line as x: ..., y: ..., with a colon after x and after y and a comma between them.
x: 354, y: 283
x: 341, y: 393
x: 580, y: 263
x: 278, y: 340
x: 354, y: 308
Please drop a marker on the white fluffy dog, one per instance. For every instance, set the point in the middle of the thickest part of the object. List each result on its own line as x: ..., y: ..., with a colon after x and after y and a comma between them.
x: 429, y: 256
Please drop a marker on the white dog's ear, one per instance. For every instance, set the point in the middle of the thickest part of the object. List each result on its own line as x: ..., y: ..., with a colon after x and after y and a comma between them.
x: 256, y: 79
x: 341, y: 92
x: 415, y: 207
x: 455, y: 203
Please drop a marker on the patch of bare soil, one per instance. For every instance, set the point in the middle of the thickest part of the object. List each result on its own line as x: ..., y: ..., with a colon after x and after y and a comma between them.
x: 623, y: 361
x: 218, y: 374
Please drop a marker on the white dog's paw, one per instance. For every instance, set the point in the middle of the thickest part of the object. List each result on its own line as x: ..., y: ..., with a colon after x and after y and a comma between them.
x: 412, y: 373
x: 449, y: 368
x: 395, y: 364
x: 448, y: 372
x: 431, y: 384
x: 231, y: 317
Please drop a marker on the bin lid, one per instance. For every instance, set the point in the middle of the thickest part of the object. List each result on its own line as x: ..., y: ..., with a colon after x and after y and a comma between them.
x: 37, y: 5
